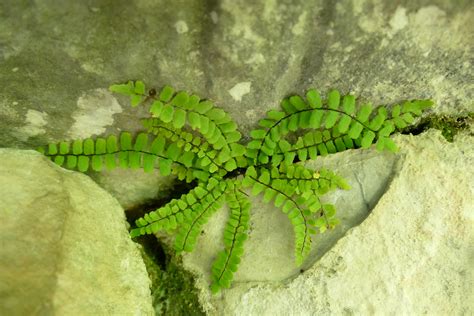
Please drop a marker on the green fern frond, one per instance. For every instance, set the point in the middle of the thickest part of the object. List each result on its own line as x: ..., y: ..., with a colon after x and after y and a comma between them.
x: 339, y: 125
x: 282, y: 193
x: 235, y: 234
x: 182, y: 211
x: 215, y: 125
x: 124, y: 152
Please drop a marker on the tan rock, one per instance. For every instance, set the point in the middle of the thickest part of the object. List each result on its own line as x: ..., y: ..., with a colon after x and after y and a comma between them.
x: 65, y: 248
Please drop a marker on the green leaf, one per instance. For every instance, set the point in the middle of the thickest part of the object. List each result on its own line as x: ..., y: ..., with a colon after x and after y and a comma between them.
x: 315, y: 119
x: 344, y: 123
x: 148, y: 162
x: 96, y: 163
x: 52, y: 149
x: 125, y: 141
x: 275, y: 115
x: 59, y: 160
x: 348, y: 104
x: 83, y: 163
x: 141, y: 141
x: 167, y: 113
x: 364, y: 112
x: 77, y: 147
x: 158, y: 145
x: 334, y: 99
x: 331, y: 119
x: 204, y: 106
x: 71, y: 162
x: 297, y: 102
x: 355, y: 130
x: 173, y: 152
x: 166, y: 93
x: 156, y: 108
x: 258, y: 133
x: 125, y: 89
x: 181, y: 99
x: 314, y: 98
x: 63, y: 148
x: 100, y: 146
x: 135, y: 100
x: 367, y: 139
x: 179, y: 118
x: 139, y: 87
x: 194, y: 120
x: 165, y: 167
x: 88, y: 147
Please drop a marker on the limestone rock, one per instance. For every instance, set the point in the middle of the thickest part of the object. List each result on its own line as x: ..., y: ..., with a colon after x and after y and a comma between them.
x: 269, y: 250
x: 65, y: 248
x: 244, y: 55
x: 412, y: 255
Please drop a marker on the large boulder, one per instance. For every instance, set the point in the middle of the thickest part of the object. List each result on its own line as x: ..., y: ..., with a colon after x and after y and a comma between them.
x: 65, y: 247
x: 411, y: 255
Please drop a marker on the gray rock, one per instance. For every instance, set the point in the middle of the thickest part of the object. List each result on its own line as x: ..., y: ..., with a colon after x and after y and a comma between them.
x: 65, y: 248
x: 269, y: 250
x: 57, y: 61
x: 412, y: 255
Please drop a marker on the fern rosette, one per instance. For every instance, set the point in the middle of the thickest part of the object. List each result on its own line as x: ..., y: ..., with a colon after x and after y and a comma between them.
x: 199, y: 143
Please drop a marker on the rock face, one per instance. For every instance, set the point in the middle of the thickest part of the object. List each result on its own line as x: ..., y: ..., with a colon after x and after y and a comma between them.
x: 65, y: 248
x: 57, y: 61
x: 269, y: 250
x: 412, y: 255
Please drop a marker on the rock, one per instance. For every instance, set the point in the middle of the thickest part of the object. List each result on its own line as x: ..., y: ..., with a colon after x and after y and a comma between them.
x: 269, y: 250
x: 243, y: 55
x: 135, y: 188
x: 65, y: 247
x: 411, y: 255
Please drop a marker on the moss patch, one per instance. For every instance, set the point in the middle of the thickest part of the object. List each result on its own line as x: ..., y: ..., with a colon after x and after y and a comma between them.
x: 173, y: 290
x: 448, y: 125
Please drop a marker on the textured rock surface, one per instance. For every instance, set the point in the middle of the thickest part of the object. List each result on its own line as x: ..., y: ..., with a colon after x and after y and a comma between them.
x: 270, y: 247
x: 56, y: 61
x: 412, y: 255
x: 65, y: 248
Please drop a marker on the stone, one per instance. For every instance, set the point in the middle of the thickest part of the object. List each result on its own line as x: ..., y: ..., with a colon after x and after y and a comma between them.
x: 411, y: 255
x: 55, y: 66
x: 269, y: 249
x: 65, y: 247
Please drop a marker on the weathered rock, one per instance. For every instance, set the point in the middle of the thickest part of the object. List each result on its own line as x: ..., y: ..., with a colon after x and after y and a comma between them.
x: 269, y: 250
x: 412, y: 255
x: 57, y: 61
x: 65, y: 248
x: 134, y: 188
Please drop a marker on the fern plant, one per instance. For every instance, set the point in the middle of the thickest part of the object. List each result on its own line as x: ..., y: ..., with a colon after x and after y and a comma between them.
x: 198, y: 142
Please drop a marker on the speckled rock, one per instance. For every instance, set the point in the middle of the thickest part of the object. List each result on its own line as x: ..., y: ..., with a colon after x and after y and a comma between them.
x: 412, y: 255
x: 57, y: 61
x: 269, y: 250
x: 65, y: 247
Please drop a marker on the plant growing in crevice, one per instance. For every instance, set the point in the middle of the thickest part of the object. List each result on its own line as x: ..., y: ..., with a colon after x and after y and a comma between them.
x: 198, y: 142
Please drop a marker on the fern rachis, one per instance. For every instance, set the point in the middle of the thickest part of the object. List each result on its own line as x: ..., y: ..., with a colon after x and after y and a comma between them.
x: 196, y: 141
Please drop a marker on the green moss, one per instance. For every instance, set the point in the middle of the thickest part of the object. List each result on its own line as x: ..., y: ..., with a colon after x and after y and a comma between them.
x: 173, y: 290
x: 448, y: 125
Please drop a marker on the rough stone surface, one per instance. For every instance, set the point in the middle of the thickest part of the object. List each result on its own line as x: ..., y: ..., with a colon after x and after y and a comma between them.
x: 56, y: 61
x: 134, y: 188
x: 269, y: 250
x: 412, y: 255
x: 65, y: 248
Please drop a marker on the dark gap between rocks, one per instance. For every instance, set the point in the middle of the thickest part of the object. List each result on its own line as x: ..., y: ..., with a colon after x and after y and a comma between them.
x: 173, y: 290
x: 448, y: 125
